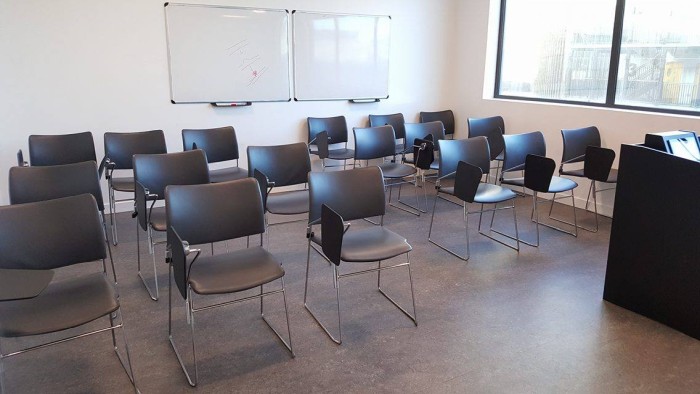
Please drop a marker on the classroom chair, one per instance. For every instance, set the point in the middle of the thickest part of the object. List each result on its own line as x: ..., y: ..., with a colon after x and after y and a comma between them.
x: 377, y: 143
x: 220, y: 144
x: 49, y: 150
x: 201, y: 214
x: 463, y: 163
x: 281, y: 166
x: 493, y: 129
x: 337, y: 133
x: 521, y: 149
x: 35, y: 242
x: 340, y: 196
x: 576, y: 143
x: 119, y: 151
x: 397, y: 122
x: 447, y: 118
x: 152, y: 173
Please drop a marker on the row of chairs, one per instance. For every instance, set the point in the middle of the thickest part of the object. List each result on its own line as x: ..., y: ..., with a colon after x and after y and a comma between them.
x: 330, y: 199
x: 197, y: 213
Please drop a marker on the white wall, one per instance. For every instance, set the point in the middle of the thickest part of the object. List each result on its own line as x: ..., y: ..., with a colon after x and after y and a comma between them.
x: 474, y: 71
x: 98, y: 65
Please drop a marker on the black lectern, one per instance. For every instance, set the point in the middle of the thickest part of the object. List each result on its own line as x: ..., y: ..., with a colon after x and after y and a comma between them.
x: 654, y: 256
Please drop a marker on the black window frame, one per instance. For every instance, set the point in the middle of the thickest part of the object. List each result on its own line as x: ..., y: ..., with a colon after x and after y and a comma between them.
x: 612, y: 73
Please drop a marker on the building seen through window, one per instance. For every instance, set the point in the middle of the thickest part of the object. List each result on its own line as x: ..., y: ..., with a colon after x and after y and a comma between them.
x: 563, y: 50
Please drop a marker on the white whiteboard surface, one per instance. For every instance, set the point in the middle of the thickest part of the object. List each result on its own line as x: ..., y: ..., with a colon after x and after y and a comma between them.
x: 338, y: 56
x: 227, y: 54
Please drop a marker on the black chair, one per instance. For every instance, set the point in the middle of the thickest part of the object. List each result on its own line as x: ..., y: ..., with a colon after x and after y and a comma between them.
x: 447, y: 118
x: 574, y: 149
x: 598, y: 168
x: 576, y: 143
x: 493, y: 129
x: 465, y: 162
x: 220, y: 144
x: 32, y: 184
x: 518, y: 147
x: 51, y: 150
x: 48, y: 235
x: 200, y: 214
x: 337, y: 133
x: 281, y: 166
x: 152, y: 173
x: 397, y: 122
x: 119, y: 151
x: 352, y: 195
x: 372, y: 143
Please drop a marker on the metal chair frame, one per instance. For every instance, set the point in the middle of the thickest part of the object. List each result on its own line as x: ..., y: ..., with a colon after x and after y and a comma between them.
x: 336, y: 284
x: 465, y: 216
x: 191, y: 309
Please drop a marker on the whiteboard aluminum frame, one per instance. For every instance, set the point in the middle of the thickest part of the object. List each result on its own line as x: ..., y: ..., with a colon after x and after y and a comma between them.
x: 170, y: 74
x: 294, y: 63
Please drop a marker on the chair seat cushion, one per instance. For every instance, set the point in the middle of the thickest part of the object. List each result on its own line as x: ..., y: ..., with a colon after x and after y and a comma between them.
x: 486, y: 193
x: 490, y: 194
x: 559, y: 184
x: 577, y: 172
x: 123, y: 184
x: 341, y: 154
x: 288, y: 203
x: 370, y: 244
x: 396, y: 170
x: 227, y: 174
x: 234, y: 271
x: 159, y: 220
x: 62, y: 305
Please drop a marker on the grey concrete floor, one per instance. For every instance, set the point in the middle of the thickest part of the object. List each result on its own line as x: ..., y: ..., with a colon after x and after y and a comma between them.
x: 503, y: 322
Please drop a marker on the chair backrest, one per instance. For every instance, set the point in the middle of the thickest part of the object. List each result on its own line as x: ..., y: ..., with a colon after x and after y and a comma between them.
x: 51, y: 150
x: 374, y: 142
x: 121, y: 147
x: 394, y: 120
x: 353, y: 194
x: 467, y: 181
x: 284, y: 165
x: 220, y: 144
x: 31, y: 184
x: 598, y: 163
x: 214, y: 212
x: 447, y: 117
x: 474, y: 151
x: 51, y: 234
x: 538, y: 172
x: 576, y: 141
x: 155, y: 172
x: 518, y: 146
x: 336, y: 127
x: 421, y: 130
x: 492, y: 128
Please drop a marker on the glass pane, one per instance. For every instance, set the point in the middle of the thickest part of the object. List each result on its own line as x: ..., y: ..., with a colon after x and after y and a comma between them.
x: 660, y: 55
x: 557, y: 49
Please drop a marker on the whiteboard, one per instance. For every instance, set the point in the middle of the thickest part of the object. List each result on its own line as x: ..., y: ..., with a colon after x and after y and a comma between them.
x: 340, y: 56
x: 227, y: 54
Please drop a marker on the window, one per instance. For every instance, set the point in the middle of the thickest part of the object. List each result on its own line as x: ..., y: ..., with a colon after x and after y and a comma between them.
x: 571, y: 50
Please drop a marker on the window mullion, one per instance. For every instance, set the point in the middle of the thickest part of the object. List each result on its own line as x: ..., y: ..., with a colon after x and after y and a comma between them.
x: 615, y: 53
